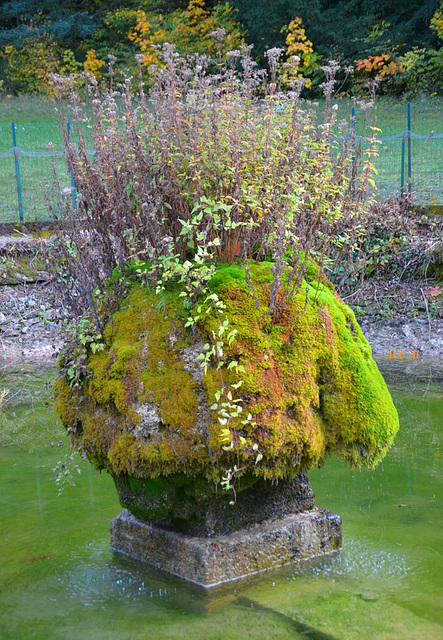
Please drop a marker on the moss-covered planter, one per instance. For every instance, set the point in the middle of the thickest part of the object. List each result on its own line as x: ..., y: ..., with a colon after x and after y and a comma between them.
x: 308, y: 381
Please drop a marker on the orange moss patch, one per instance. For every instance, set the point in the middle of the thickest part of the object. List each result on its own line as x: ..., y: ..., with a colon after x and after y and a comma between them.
x: 309, y: 382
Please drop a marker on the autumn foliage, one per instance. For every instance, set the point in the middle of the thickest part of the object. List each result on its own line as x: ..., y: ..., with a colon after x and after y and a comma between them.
x: 38, y: 39
x: 188, y: 29
x: 379, y: 66
x: 301, y: 58
x: 93, y: 64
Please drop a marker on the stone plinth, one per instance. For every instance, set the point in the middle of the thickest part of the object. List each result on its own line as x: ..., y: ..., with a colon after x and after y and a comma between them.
x: 199, y: 508
x: 209, y: 561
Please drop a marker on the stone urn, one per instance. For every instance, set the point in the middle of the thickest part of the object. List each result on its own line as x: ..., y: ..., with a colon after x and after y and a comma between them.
x: 146, y: 414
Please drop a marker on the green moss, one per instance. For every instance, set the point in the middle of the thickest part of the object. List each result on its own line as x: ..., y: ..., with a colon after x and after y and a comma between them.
x: 309, y: 382
x: 64, y: 401
x: 21, y: 268
x: 141, y: 365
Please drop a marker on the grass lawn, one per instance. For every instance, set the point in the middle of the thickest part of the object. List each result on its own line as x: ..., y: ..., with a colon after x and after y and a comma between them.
x: 37, y: 127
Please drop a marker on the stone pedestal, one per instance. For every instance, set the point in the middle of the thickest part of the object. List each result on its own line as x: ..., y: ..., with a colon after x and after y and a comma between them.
x: 199, y: 508
x: 209, y: 561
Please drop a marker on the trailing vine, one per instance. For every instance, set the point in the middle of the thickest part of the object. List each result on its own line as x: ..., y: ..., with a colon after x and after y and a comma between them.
x: 194, y: 277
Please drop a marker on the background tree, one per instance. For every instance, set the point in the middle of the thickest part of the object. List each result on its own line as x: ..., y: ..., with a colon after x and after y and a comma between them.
x: 299, y: 51
x: 405, y: 34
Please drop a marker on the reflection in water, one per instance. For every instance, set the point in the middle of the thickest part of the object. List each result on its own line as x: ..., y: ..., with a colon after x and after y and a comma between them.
x: 94, y: 577
x: 58, y: 578
x: 361, y: 560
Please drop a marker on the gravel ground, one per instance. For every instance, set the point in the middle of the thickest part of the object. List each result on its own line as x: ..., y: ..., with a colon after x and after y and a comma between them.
x: 403, y: 335
x: 31, y: 322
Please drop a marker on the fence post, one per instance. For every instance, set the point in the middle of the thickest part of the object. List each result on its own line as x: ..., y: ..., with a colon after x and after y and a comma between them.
x: 354, y: 157
x: 402, y: 178
x: 17, y: 173
x: 74, y: 192
x: 409, y: 150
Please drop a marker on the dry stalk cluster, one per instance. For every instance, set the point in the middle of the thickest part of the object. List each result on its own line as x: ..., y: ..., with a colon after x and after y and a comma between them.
x: 214, y: 154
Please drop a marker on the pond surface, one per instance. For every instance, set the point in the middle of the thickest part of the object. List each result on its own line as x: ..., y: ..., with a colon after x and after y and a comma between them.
x: 58, y: 578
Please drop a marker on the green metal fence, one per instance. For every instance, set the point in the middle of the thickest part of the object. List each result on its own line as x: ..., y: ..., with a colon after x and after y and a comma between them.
x: 410, y: 152
x: 410, y: 159
x: 29, y: 155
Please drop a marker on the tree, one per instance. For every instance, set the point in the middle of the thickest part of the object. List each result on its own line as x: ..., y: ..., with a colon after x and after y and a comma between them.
x: 300, y: 54
x: 65, y: 22
x: 340, y: 28
x: 30, y: 67
x: 189, y: 29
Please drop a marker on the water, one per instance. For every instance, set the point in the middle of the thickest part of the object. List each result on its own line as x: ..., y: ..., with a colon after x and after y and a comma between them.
x: 58, y: 578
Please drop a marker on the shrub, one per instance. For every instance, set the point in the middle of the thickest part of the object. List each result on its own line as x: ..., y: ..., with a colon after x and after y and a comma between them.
x: 215, y: 167
x: 30, y: 67
x: 93, y: 64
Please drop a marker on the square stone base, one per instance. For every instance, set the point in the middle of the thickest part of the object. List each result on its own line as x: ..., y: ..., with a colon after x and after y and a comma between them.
x: 211, y: 561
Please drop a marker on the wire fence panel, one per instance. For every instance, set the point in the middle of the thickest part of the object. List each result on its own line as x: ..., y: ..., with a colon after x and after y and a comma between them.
x: 388, y: 165
x: 29, y: 155
x: 427, y: 162
x: 8, y: 185
x: 410, y: 157
x: 38, y: 148
x: 410, y: 150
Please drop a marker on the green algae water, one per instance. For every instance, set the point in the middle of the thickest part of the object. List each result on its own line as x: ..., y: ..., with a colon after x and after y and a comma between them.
x: 59, y: 580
